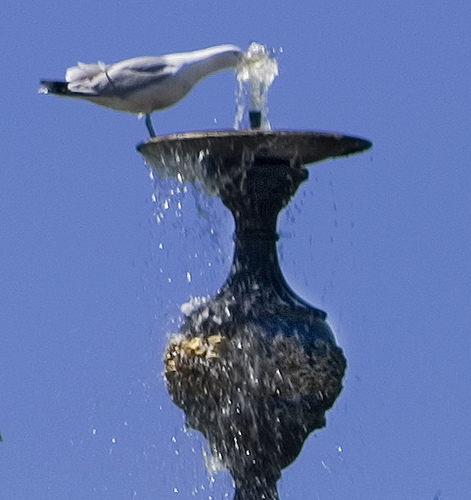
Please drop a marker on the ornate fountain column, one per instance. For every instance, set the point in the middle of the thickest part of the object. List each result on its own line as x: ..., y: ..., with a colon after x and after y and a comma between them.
x: 255, y: 368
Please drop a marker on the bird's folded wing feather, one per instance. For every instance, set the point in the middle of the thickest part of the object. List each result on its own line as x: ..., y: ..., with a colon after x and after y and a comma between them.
x: 122, y: 77
x: 83, y: 71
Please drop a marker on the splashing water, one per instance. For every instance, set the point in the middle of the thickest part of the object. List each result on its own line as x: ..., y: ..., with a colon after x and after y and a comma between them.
x: 255, y: 74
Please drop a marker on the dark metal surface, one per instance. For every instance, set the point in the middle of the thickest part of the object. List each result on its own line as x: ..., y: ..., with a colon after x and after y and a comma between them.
x: 305, y: 147
x: 256, y: 368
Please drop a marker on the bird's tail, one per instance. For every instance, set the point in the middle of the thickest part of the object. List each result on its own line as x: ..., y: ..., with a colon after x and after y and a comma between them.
x: 54, y: 87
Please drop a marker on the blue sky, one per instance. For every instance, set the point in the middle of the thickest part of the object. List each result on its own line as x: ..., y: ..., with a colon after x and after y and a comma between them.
x: 380, y: 241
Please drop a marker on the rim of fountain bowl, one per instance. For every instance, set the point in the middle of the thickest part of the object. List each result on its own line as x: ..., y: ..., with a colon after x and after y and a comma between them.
x: 307, y: 147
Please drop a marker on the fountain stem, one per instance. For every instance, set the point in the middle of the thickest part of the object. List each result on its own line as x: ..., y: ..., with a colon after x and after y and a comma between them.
x: 264, y: 187
x: 256, y: 490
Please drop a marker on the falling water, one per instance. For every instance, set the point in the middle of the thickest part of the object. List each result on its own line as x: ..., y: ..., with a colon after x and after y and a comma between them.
x: 255, y: 74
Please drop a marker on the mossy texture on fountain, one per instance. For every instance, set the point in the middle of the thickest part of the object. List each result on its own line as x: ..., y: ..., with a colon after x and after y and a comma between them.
x: 254, y: 394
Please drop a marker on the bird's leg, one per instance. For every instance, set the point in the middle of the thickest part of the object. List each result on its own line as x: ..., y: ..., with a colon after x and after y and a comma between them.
x: 149, y: 126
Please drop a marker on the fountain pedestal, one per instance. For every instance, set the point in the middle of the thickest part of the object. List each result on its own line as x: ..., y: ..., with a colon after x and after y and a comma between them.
x: 256, y: 368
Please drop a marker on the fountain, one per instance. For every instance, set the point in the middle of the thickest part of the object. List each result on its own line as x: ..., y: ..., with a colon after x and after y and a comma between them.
x: 256, y: 367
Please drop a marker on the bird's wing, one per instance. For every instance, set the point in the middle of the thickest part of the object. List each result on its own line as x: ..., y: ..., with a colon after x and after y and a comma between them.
x: 120, y: 78
x: 145, y: 64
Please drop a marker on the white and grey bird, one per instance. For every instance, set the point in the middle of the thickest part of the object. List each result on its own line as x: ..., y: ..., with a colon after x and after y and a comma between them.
x: 144, y: 84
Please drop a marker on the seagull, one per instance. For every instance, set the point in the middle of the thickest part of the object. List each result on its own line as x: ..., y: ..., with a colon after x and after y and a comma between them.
x: 144, y: 84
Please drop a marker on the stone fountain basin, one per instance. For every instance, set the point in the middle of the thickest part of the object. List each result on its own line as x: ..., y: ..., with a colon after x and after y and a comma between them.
x: 210, y: 158
x: 234, y: 145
